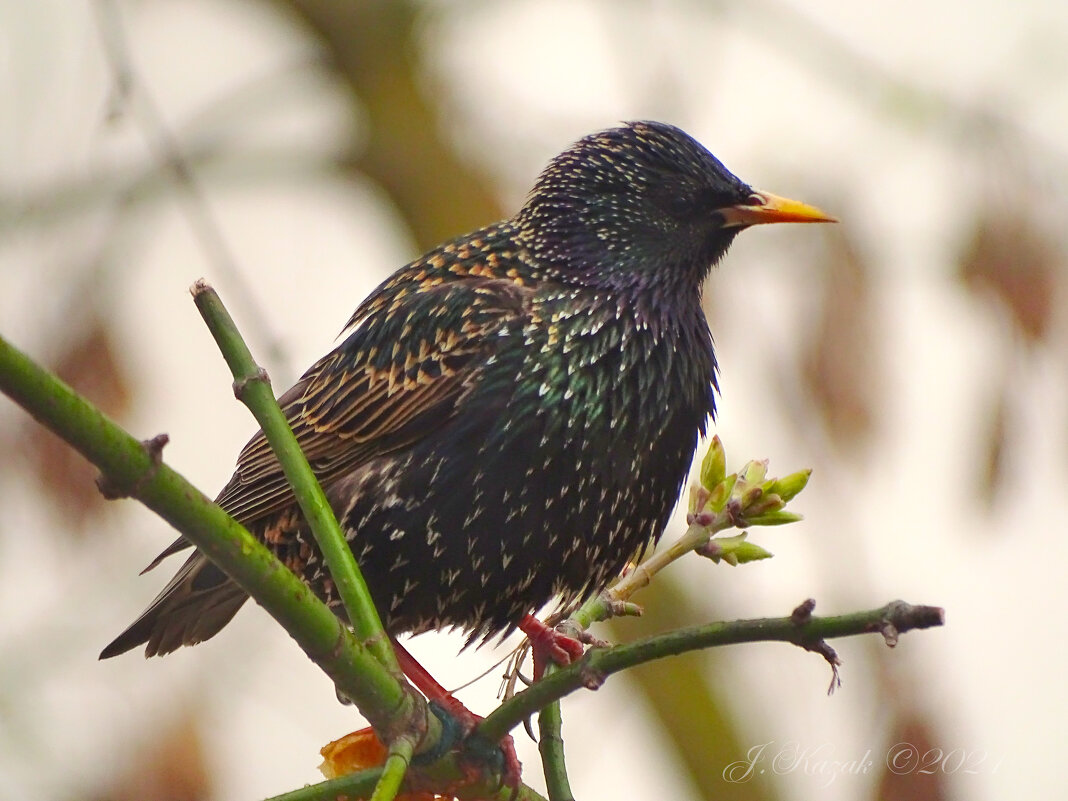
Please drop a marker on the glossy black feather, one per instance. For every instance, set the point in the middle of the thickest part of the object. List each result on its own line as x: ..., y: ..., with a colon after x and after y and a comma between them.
x: 510, y: 417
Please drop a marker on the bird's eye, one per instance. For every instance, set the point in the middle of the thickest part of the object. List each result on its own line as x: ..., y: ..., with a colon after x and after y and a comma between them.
x: 755, y: 200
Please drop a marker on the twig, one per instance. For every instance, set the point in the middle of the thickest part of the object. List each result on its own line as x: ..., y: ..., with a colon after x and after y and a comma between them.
x: 253, y: 388
x: 447, y: 772
x: 599, y: 663
x: 551, y: 748
x: 395, y: 768
x: 353, y: 785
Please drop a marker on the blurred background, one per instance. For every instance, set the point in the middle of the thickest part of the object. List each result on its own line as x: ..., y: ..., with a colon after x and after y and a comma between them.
x: 296, y: 153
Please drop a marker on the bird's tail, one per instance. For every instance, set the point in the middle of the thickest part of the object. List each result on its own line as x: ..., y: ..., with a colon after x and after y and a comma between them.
x: 194, y: 606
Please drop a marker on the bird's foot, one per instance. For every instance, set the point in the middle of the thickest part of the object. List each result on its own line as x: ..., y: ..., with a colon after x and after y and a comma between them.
x: 466, y: 720
x: 549, y: 644
x: 362, y: 749
x: 501, y: 755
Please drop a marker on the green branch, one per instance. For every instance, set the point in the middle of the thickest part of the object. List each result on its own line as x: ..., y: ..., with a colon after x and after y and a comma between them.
x: 801, y: 629
x: 353, y: 785
x: 448, y: 772
x: 551, y: 749
x: 393, y: 771
x: 252, y: 387
x: 130, y: 468
x: 134, y: 469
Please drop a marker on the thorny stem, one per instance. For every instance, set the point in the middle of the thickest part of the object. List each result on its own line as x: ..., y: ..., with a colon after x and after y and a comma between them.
x: 602, y: 606
x: 447, y: 772
x: 253, y: 388
x: 393, y: 771
x: 551, y: 748
x: 130, y: 468
x: 808, y: 632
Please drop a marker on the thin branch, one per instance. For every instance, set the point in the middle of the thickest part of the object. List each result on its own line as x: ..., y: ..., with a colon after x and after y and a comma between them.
x: 353, y: 785
x: 206, y: 228
x: 448, y: 772
x: 703, y: 527
x: 395, y: 768
x: 808, y: 632
x: 551, y: 748
x: 253, y: 388
x: 127, y: 186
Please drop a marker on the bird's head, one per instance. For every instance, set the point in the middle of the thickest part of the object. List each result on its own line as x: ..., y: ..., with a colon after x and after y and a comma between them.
x: 642, y: 206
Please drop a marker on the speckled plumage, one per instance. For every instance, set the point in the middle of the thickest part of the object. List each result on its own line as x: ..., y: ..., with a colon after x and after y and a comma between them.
x: 511, y: 416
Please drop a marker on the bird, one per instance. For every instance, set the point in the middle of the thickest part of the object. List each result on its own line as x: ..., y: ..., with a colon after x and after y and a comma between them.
x: 510, y: 418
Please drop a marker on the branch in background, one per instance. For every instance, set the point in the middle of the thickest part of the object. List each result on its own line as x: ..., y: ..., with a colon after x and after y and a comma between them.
x: 128, y: 89
x: 404, y: 147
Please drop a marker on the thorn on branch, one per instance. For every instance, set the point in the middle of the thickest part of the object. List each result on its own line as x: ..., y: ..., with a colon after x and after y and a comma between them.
x: 890, y: 634
x: 243, y: 384
x: 617, y: 608
x: 803, y: 613
x: 154, y: 448
x: 613, y: 608
x: 800, y: 617
x: 901, y: 617
x: 591, y: 677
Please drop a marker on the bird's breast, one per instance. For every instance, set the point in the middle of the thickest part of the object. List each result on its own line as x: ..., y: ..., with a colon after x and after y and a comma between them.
x: 566, y: 458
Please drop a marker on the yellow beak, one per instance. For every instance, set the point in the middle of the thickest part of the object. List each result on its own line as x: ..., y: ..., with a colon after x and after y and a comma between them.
x: 764, y: 207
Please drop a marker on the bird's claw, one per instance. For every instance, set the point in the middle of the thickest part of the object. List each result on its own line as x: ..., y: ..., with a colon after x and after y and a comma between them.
x: 549, y: 644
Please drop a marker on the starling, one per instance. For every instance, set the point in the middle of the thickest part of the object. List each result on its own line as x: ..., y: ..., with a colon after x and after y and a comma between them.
x: 511, y: 417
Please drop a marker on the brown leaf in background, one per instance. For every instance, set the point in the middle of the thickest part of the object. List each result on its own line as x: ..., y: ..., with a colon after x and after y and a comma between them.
x: 840, y: 367
x: 1011, y: 257
x: 171, y: 767
x: 1016, y: 259
x: 997, y: 442
x: 90, y: 366
x: 913, y: 769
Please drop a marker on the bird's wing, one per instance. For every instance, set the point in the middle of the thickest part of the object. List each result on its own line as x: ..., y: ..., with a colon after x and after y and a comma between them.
x: 400, y: 375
